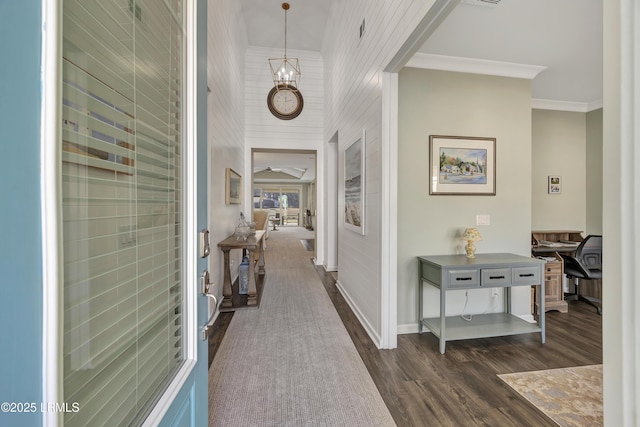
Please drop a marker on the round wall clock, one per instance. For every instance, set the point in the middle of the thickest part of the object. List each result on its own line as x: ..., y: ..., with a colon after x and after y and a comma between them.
x: 285, y: 102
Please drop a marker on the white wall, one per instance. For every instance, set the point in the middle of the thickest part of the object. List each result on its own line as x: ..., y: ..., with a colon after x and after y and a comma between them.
x: 264, y: 131
x: 559, y: 148
x: 226, y: 47
x: 459, y: 104
x: 354, y: 92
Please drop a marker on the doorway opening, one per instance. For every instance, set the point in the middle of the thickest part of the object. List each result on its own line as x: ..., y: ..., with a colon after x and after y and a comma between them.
x: 283, y: 184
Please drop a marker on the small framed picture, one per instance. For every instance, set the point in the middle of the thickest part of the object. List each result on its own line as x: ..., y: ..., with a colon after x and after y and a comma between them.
x: 233, y: 187
x: 555, y: 184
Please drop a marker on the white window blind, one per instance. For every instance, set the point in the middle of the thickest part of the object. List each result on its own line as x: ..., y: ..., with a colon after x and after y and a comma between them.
x: 122, y: 206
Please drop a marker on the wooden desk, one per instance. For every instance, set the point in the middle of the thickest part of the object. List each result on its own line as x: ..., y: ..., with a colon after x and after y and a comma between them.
x: 250, y: 245
x: 556, y: 238
x: 554, y: 268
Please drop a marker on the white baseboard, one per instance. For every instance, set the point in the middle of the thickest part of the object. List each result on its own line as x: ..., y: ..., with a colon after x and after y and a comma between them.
x: 526, y: 317
x: 329, y: 269
x: 409, y: 328
x: 365, y: 324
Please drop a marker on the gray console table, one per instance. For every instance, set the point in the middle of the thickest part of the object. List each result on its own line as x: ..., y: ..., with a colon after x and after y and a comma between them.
x: 449, y: 272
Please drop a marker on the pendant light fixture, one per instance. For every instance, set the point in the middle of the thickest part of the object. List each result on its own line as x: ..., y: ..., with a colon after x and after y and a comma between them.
x: 285, y: 71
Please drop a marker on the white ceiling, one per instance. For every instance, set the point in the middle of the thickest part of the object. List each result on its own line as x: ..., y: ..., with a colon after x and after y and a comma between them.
x: 284, y: 166
x: 564, y: 36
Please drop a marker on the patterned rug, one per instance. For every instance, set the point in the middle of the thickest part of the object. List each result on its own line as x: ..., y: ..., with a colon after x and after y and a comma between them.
x: 569, y: 396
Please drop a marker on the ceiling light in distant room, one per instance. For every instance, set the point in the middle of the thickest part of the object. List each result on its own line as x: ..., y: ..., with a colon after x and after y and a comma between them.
x: 486, y: 3
x: 285, y: 99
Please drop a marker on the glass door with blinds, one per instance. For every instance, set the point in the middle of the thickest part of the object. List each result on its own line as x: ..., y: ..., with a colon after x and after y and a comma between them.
x: 123, y: 206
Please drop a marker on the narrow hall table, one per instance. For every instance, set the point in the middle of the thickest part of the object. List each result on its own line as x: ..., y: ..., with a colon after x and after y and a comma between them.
x: 250, y: 245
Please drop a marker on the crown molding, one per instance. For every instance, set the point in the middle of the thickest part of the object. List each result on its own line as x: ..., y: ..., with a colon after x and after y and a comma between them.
x: 577, y: 107
x: 474, y: 66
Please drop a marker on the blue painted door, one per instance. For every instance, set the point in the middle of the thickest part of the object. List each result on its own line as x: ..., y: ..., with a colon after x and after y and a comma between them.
x: 30, y: 391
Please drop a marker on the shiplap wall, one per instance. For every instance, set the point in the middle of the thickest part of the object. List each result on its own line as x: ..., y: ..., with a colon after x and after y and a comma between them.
x: 226, y: 44
x: 305, y: 132
x: 353, y: 85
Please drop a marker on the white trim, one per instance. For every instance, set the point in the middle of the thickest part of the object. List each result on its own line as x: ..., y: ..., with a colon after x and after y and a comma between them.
x: 50, y: 209
x: 371, y: 331
x: 169, y: 396
x: 190, y: 275
x: 389, y: 214
x: 474, y: 66
x: 410, y: 328
x: 578, y: 107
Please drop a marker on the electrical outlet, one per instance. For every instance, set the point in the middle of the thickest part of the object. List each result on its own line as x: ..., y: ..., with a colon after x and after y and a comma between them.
x: 483, y: 219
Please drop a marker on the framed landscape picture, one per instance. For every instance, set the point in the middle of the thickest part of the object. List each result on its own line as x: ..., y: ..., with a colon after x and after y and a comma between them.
x: 463, y: 165
x: 354, y: 182
x: 233, y: 187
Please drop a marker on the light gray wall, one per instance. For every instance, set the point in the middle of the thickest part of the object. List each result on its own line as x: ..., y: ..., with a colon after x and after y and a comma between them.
x: 559, y: 148
x: 446, y: 103
x: 594, y: 172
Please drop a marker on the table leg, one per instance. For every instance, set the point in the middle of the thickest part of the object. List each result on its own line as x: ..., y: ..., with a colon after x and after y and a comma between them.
x: 226, y: 287
x: 252, y: 297
x: 542, y: 314
x: 420, y: 284
x: 443, y: 326
x: 261, y: 257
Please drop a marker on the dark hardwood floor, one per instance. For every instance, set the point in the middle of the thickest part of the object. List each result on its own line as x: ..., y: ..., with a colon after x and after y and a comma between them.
x: 422, y: 387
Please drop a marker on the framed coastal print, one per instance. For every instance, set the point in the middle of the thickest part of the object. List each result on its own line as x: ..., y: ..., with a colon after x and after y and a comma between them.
x: 462, y: 165
x: 354, y: 182
x: 233, y: 187
x: 555, y: 184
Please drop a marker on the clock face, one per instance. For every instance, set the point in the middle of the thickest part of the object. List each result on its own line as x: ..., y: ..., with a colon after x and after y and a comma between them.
x: 285, y: 102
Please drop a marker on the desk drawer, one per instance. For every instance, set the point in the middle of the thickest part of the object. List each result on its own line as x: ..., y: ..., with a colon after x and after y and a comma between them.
x: 553, y: 268
x: 462, y: 279
x: 496, y: 276
x: 525, y: 275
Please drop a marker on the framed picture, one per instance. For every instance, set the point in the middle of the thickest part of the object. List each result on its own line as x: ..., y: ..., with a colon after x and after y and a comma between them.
x: 463, y: 165
x: 555, y: 184
x: 354, y: 185
x: 233, y: 189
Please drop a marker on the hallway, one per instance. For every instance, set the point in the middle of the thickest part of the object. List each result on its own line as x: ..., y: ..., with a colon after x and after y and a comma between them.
x: 291, y: 362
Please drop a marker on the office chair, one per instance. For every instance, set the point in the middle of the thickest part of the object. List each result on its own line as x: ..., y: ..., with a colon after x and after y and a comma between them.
x: 586, y: 264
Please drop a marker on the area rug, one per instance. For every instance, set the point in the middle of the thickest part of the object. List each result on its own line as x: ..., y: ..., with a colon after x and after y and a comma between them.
x: 569, y: 396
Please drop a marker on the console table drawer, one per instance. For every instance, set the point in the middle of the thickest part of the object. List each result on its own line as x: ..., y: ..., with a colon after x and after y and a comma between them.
x: 462, y: 279
x: 496, y: 276
x: 525, y: 276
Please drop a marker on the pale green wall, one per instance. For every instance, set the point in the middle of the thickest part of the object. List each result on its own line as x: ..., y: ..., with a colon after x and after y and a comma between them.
x: 594, y: 172
x: 445, y: 103
x: 568, y: 144
x: 559, y: 148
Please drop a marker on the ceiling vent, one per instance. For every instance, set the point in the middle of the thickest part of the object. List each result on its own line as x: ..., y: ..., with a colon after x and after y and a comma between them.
x: 485, y: 3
